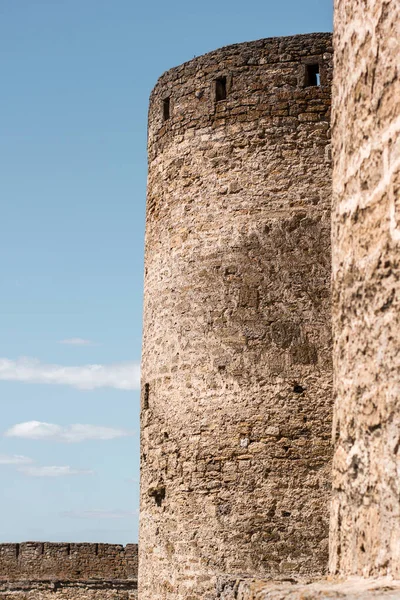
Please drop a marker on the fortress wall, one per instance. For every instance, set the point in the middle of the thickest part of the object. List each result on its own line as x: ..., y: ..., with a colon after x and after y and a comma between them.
x: 365, y: 529
x: 236, y: 371
x: 41, y: 561
x: 48, y: 571
x: 62, y: 590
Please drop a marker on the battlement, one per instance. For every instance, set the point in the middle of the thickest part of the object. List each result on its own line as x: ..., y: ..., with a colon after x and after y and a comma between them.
x: 271, y: 79
x: 38, y: 561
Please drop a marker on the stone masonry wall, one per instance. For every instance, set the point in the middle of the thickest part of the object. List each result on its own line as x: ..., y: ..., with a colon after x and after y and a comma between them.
x: 68, y: 590
x: 49, y: 571
x: 236, y: 372
x: 354, y: 588
x: 365, y: 529
x: 37, y: 560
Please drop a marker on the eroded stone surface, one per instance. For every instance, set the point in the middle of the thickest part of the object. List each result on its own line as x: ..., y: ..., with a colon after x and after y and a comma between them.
x: 365, y: 536
x: 236, y: 398
x: 49, y: 571
x: 351, y: 589
x: 68, y: 590
x: 38, y: 560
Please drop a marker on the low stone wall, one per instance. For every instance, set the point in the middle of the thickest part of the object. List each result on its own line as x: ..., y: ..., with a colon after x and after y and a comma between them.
x: 328, y: 589
x: 44, y: 571
x: 68, y: 590
x: 41, y: 561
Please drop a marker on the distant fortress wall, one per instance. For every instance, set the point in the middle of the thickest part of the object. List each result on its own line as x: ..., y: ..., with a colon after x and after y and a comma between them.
x: 37, y: 560
x: 365, y: 527
x: 87, y: 571
x: 236, y: 372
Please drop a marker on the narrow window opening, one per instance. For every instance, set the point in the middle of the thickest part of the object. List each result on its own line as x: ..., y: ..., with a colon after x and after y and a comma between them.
x: 166, y: 109
x: 220, y: 89
x: 160, y: 496
x: 313, y: 76
x: 146, y: 394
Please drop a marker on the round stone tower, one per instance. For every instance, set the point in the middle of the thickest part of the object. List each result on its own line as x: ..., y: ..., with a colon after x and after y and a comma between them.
x: 236, y: 373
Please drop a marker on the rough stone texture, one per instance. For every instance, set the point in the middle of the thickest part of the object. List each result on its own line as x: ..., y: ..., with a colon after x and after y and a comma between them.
x: 365, y: 529
x: 40, y: 561
x: 44, y: 571
x: 352, y: 589
x: 67, y: 590
x: 236, y: 399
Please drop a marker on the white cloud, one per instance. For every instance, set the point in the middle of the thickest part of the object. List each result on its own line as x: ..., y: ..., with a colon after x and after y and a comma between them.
x: 121, y: 376
x: 14, y: 459
x: 100, y: 514
x: 76, y: 342
x: 53, y: 471
x: 36, y: 430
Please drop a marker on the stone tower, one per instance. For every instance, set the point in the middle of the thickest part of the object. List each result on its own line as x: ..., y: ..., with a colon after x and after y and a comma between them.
x: 365, y: 533
x: 236, y: 372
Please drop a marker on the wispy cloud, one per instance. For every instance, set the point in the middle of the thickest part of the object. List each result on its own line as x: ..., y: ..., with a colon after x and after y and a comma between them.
x: 24, y: 465
x: 121, y: 376
x: 53, y: 471
x: 100, y: 514
x: 76, y: 341
x: 37, y: 430
x: 135, y: 480
x: 15, y: 459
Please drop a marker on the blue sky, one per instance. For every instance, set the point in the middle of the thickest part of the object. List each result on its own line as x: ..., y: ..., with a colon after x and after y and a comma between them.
x: 76, y: 76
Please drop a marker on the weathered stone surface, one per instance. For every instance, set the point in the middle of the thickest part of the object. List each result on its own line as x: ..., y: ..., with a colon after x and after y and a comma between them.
x: 351, y: 589
x: 68, y: 590
x: 47, y: 571
x: 38, y: 560
x: 236, y: 400
x: 365, y: 536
